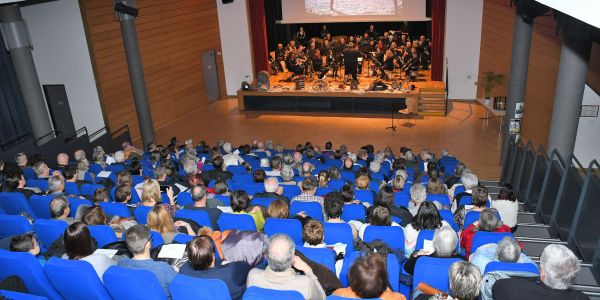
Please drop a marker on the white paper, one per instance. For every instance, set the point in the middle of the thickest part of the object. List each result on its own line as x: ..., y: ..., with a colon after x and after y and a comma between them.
x: 468, y: 207
x: 104, y: 174
x: 108, y: 252
x: 225, y: 209
x: 172, y: 251
x: 203, y: 159
x: 236, y: 152
x: 181, y: 187
x: 428, y: 246
x: 110, y: 160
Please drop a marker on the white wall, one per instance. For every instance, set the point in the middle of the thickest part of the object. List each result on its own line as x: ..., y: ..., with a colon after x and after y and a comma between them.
x: 462, y: 45
x: 61, y: 56
x: 587, y: 145
x: 235, y: 42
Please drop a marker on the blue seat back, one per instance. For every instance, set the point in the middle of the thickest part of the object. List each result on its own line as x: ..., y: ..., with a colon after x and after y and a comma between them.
x: 449, y: 217
x: 115, y: 209
x: 511, y: 267
x: 89, y: 189
x: 29, y: 173
x: 339, y: 233
x: 458, y: 189
x: 26, y: 266
x: 393, y: 269
x: 472, y: 216
x: 124, y: 284
x: 224, y: 198
x: 251, y: 188
x: 75, y: 279
x: 433, y: 271
x: 184, y: 198
x: 237, y: 169
x: 364, y: 196
x: 354, y: 212
x: 49, y: 231
x: 258, y: 293
x: 291, y: 191
x: 393, y: 236
x: 262, y: 201
x: 336, y: 184
x: 323, y: 191
x: 13, y: 225
x: 401, y: 198
x: 75, y: 203
x: 71, y: 188
x: 41, y: 184
x: 41, y: 205
x: 348, y: 176
x: 199, y: 216
x: 19, y: 296
x: 236, y: 221
x: 184, y: 239
x: 141, y: 214
x: 103, y: 234
x: 95, y: 168
x: 184, y: 287
x: 13, y: 203
x: 482, y: 238
x: 311, y: 209
x: 156, y: 239
x: 441, y: 198
x: 324, y: 256
x: 290, y: 227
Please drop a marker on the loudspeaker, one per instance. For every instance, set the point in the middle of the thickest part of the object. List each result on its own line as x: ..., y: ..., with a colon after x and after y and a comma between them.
x: 60, y: 112
x: 227, y: 1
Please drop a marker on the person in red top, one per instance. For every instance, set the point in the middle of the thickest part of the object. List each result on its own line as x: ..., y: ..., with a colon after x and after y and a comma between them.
x: 488, y: 221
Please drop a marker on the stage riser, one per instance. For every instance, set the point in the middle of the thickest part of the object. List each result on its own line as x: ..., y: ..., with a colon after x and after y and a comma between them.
x: 323, y: 104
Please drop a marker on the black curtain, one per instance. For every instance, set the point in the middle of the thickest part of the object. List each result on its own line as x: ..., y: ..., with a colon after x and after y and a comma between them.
x: 14, y: 124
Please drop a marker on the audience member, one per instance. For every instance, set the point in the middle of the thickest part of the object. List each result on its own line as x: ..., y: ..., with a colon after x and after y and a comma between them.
x: 240, y: 204
x: 160, y: 221
x: 507, y: 206
x: 427, y: 218
x: 465, y: 281
x: 418, y: 195
x: 27, y: 243
x: 199, y: 195
x: 272, y: 190
x: 80, y: 245
x: 151, y: 196
x: 445, y: 242
x: 60, y: 209
x: 334, y: 205
x: 369, y: 279
x: 507, y: 250
x: 488, y: 221
x: 479, y: 198
x: 309, y: 188
x: 217, y: 173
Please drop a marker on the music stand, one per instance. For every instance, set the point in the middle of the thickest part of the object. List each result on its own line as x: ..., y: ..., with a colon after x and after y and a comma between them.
x: 399, y: 108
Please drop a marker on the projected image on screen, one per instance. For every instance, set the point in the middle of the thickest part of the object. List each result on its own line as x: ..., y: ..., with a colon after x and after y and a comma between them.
x: 353, y: 7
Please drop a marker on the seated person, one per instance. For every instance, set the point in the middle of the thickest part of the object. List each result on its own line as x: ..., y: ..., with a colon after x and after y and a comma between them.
x: 139, y: 244
x: 272, y: 190
x: 123, y: 195
x: 60, y: 209
x: 258, y: 176
x: 488, y: 221
x: 507, y: 206
x: 334, y: 205
x: 80, y: 245
x: 287, y: 175
x: 507, y: 250
x: 479, y: 197
x: 27, y: 243
x: 465, y: 280
x: 151, y: 196
x: 199, y: 195
x: 100, y: 195
x: 15, y: 182
x: 387, y: 63
x: 160, y: 221
x: 558, y: 269
x: 387, y: 197
x: 445, y: 243
x: 313, y: 234
x: 240, y: 204
x: 369, y: 279
x: 201, y: 264
x: 217, y: 173
x: 381, y: 216
x: 279, y: 274
x: 318, y: 64
x: 94, y: 215
x: 427, y: 218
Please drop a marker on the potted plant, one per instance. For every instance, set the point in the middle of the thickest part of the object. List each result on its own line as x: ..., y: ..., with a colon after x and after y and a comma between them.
x: 491, y: 79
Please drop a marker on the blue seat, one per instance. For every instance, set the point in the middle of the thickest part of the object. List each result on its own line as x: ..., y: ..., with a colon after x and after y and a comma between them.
x: 126, y: 284
x: 184, y: 198
x: 75, y: 279
x: 311, y: 209
x: 458, y: 189
x: 156, y: 239
x: 323, y: 191
x: 334, y: 297
x: 74, y: 203
x: 393, y: 269
x: 472, y: 216
x: 433, y: 271
x: 237, y: 169
x: 115, y: 209
x: 13, y: 225
x: 41, y: 184
x: 251, y: 188
x: 449, y: 217
x: 291, y: 191
x: 103, y: 234
x: 339, y: 233
x: 441, y: 198
x: 2, y: 211
x: 199, y: 216
x: 49, y: 231
x: 354, y: 212
x: 184, y: 287
x: 137, y: 179
x: 26, y: 266
x: 224, y: 198
x: 71, y: 188
x: 29, y: 173
x: 401, y: 198
x: 19, y: 296
x: 364, y: 196
x: 258, y: 293
x: 115, y: 168
x: 236, y: 221
x: 393, y: 236
x: 41, y: 205
x: 262, y: 201
x: 183, y: 239
x: 95, y: 168
x: 348, y: 176
x: 89, y: 189
x: 483, y: 237
x: 141, y: 214
x: 512, y: 267
x: 13, y: 203
x: 323, y: 256
x: 290, y: 227
x: 336, y: 184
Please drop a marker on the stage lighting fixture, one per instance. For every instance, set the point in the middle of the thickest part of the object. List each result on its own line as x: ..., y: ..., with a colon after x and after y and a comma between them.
x: 126, y: 9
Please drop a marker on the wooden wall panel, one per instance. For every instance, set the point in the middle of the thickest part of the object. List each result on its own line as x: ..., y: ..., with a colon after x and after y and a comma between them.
x: 172, y: 35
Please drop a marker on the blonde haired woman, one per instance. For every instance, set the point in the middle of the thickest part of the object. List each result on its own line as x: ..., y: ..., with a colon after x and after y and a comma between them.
x: 151, y: 196
x: 160, y: 221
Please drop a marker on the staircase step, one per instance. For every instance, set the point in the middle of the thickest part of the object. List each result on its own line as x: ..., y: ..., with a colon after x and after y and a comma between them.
x: 534, y: 247
x: 585, y: 276
x: 533, y: 231
x: 526, y: 218
x: 490, y: 183
x: 432, y: 113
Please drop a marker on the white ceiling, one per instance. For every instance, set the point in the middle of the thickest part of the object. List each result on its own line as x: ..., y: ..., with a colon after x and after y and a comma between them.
x: 585, y: 10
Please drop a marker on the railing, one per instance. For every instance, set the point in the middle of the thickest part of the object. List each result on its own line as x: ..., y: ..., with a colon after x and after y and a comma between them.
x: 18, y: 138
x: 76, y: 134
x: 99, y: 132
x: 53, y: 133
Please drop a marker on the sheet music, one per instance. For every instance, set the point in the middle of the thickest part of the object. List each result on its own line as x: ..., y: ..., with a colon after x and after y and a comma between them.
x: 172, y: 251
x: 104, y: 174
x: 108, y: 252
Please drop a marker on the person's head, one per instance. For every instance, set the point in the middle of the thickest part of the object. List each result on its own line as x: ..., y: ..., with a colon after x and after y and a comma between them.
x: 119, y: 156
x: 123, y: 193
x: 363, y: 180
x: 371, y: 28
x: 271, y: 185
x: 259, y: 176
x: 460, y: 169
x: 445, y: 241
x: 279, y: 252
x: 56, y: 184
x: 508, y: 250
x: 137, y: 239
x: 435, y: 186
x: 347, y: 192
x: 151, y: 192
x: 220, y: 187
x: 21, y: 159
x: 201, y: 253
x: 479, y: 196
x: 98, y: 154
x: 558, y: 266
x: 506, y: 193
x: 287, y: 173
x: 78, y: 241
x: 217, y: 162
x: 70, y: 173
x: 465, y: 280
x: 124, y: 177
x: 428, y: 217
x: 100, y: 195
x: 418, y: 193
x: 381, y: 216
x: 385, y: 196
x: 62, y: 159
x: 334, y: 173
x: 276, y: 163
x: 239, y: 200
x: 14, y: 180
x: 469, y: 181
x: 323, y: 177
x: 333, y: 205
x: 368, y: 276
x: 309, y: 185
x: 313, y: 232
x: 94, y: 215
x: 488, y: 220
x: 59, y: 207
x: 279, y: 46
x: 398, y: 183
x: 190, y: 167
x: 160, y: 173
x: 348, y: 163
x: 278, y: 209
x: 159, y: 220
x: 25, y: 243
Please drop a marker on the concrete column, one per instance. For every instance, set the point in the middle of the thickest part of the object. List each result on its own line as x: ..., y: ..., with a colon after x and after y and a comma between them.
x: 18, y: 43
x: 572, y: 72
x: 518, y: 75
x: 136, y: 74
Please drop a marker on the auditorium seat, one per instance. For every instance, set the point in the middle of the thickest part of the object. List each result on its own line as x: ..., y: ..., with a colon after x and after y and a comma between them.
x: 258, y: 293
x: 354, y: 212
x: 433, y: 271
x: 393, y: 236
x: 393, y: 269
x: 26, y: 266
x: 229, y: 221
x: 200, y: 217
x: 41, y: 205
x: 126, y: 284
x: 75, y: 279
x: 49, y: 231
x: 184, y: 287
x: 290, y: 227
x: 483, y: 237
x: 311, y: 209
x: 339, y: 233
x: 12, y: 225
x: 103, y: 234
x: 323, y: 256
x: 14, y: 203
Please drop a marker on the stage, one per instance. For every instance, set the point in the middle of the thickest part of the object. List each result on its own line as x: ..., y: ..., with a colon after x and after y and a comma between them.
x: 426, y: 98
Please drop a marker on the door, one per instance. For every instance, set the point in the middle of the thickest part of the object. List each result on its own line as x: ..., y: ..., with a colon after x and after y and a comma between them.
x: 60, y: 112
x: 211, y: 78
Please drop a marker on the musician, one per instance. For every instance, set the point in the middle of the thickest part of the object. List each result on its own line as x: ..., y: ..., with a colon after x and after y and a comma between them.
x: 364, y: 42
x: 388, y: 63
x: 319, y: 64
x: 325, y: 48
x: 279, y: 57
x: 411, y: 65
x: 311, y: 49
x: 423, y: 42
x: 295, y: 63
x: 291, y: 47
x: 372, y: 33
x: 324, y: 32
x: 387, y: 39
x: 351, y: 55
x: 339, y: 46
x: 328, y: 37
x: 301, y: 36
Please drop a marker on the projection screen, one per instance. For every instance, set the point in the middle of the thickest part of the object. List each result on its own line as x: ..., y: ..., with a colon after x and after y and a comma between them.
x: 331, y: 11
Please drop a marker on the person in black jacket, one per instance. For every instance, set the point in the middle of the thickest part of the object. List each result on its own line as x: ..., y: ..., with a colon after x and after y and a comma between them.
x: 217, y: 173
x: 351, y: 55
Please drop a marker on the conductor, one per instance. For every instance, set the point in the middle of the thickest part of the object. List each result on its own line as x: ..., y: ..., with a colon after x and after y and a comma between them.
x: 351, y: 55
